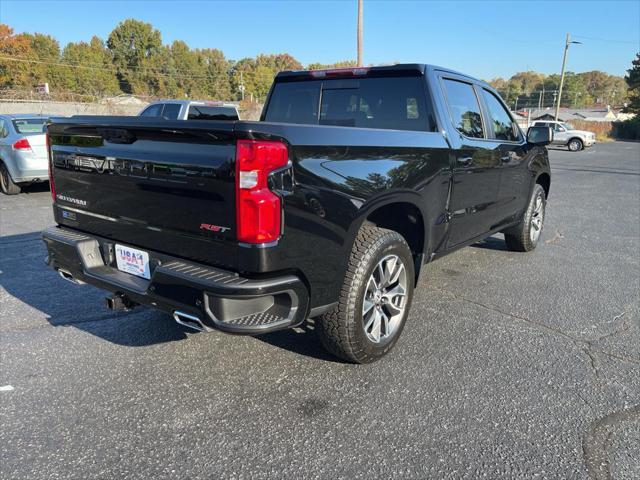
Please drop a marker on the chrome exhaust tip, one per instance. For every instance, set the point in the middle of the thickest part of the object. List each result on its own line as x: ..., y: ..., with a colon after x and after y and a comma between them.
x: 69, y: 277
x: 190, y: 321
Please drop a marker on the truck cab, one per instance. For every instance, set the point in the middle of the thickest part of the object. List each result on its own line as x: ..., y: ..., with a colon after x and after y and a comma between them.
x: 191, y: 110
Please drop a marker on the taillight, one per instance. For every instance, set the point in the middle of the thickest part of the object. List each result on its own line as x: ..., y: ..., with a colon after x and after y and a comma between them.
x: 258, y: 209
x: 22, y: 144
x: 52, y: 185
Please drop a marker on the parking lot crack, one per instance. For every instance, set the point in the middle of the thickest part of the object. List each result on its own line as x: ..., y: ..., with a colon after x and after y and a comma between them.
x: 597, y: 440
x: 493, y: 308
x: 592, y: 361
x: 586, y: 346
x: 615, y: 356
x: 623, y: 328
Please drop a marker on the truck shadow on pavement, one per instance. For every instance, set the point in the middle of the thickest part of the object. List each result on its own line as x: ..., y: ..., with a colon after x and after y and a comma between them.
x: 35, y: 188
x: 492, y: 243
x: 301, y: 340
x: 31, y: 285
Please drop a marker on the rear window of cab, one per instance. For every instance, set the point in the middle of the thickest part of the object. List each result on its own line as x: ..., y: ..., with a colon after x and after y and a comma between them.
x: 395, y: 103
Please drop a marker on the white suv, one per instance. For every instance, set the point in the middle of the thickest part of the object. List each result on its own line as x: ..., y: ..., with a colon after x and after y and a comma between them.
x: 564, y: 134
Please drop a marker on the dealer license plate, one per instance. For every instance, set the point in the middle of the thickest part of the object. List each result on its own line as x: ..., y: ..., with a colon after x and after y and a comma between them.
x: 133, y: 261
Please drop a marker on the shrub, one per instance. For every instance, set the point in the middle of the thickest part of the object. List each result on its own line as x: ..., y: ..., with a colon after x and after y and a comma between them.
x: 601, y: 129
x: 627, y: 130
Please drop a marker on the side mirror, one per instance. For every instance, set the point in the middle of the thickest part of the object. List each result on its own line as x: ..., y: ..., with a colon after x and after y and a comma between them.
x: 540, y: 135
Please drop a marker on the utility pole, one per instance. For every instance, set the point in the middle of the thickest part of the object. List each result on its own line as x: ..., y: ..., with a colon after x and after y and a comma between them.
x: 575, y: 99
x: 241, y: 87
x: 564, y: 63
x: 359, y: 33
x: 539, y: 99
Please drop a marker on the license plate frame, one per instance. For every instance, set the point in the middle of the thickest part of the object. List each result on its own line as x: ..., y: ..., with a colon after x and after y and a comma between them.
x: 132, y: 261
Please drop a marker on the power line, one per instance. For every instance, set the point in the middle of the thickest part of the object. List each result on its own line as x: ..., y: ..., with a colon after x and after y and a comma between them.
x: 606, y: 40
x: 90, y: 67
x: 132, y: 69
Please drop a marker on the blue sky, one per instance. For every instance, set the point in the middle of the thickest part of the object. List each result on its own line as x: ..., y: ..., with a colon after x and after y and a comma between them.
x: 482, y: 38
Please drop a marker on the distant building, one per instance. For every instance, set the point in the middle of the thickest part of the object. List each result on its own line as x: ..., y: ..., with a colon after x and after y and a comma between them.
x: 568, y: 114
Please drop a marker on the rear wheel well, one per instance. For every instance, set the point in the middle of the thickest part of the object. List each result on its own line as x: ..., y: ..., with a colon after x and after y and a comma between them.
x: 406, y: 219
x: 544, y: 180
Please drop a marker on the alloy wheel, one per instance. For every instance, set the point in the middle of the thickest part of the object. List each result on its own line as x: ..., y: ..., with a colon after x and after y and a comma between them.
x: 537, y: 219
x: 384, y: 299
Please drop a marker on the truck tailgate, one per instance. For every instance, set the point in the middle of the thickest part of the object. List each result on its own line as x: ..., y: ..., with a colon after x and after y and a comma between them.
x: 156, y: 184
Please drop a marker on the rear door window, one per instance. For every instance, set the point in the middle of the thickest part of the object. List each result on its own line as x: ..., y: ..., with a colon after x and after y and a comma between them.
x: 294, y: 102
x: 504, y: 127
x: 464, y: 108
x: 152, y: 111
x: 171, y: 111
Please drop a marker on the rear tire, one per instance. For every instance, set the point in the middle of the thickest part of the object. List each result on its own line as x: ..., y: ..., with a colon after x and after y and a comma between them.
x: 575, y: 145
x: 7, y: 186
x: 375, y: 298
x: 524, y: 237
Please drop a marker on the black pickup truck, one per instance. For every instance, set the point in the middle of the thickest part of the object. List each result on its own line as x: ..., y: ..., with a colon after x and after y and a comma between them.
x: 326, y: 208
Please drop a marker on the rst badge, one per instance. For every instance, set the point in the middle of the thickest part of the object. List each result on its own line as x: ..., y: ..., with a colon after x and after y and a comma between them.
x: 213, y: 228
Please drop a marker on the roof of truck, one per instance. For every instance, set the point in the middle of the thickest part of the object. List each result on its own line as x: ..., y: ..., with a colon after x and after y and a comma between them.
x: 417, y: 68
x: 206, y: 103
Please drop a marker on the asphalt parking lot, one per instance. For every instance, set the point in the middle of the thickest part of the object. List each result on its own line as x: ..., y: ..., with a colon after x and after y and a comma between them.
x: 511, y: 365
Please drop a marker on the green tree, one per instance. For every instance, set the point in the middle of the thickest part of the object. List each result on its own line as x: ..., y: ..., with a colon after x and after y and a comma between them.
x: 186, y: 69
x: 217, y: 81
x: 326, y: 66
x: 45, y: 53
x: 15, y: 72
x: 632, y: 80
x: 93, y: 72
x: 257, y: 74
x: 134, y: 46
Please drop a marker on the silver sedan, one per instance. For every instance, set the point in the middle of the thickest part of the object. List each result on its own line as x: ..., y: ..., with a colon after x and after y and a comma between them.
x: 23, y: 151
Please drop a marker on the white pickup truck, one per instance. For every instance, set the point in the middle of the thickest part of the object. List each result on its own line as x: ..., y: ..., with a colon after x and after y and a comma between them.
x: 564, y: 134
x: 191, y: 110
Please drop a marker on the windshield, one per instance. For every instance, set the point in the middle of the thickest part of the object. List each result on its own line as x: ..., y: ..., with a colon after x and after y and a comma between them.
x: 30, y: 126
x: 567, y: 126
